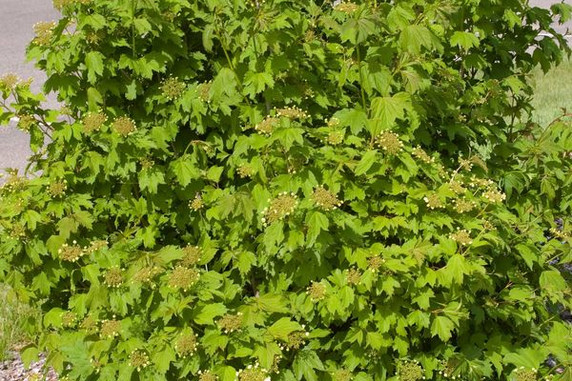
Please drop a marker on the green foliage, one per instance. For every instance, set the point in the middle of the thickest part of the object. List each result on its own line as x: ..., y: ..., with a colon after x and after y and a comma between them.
x: 290, y: 190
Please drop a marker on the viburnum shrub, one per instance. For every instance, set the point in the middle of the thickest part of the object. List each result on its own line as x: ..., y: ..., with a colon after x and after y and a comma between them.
x: 287, y: 190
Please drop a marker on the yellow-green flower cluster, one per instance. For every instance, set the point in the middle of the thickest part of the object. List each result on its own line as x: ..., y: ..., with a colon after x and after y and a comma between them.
x: 172, y: 88
x: 420, y: 154
x: 93, y: 121
x: 253, y: 373
x: 95, y: 246
x: 146, y: 163
x: 433, y: 201
x: 230, y: 323
x: 204, y: 90
x: 346, y: 7
x: 465, y: 164
x: 354, y: 276
x: 139, y: 360
x: 183, y: 278
x: 191, y: 256
x: 110, y: 328
x: 522, y: 374
x: 44, y: 31
x: 69, y: 319
x: 71, y: 253
x: 245, y: 170
x: 266, y: 127
x: 464, y: 206
x: 409, y: 371
x: 26, y: 122
x: 197, y: 203
x: 342, y: 375
x: 316, y: 291
x: 333, y: 122
x: 462, y: 236
x: 449, y: 368
x: 457, y: 187
x: 279, y: 208
x: 296, y: 340
x: 186, y: 344
x: 291, y: 113
x: 374, y: 263
x: 494, y: 196
x: 335, y: 138
x: 207, y: 376
x: 18, y: 231
x: 389, y: 142
x: 478, y: 182
x: 57, y: 188
x: 559, y: 234
x: 113, y: 277
x: 124, y: 126
x: 9, y: 81
x: 325, y: 199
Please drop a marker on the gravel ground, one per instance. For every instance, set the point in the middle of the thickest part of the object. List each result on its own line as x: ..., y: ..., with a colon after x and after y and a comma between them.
x: 13, y: 370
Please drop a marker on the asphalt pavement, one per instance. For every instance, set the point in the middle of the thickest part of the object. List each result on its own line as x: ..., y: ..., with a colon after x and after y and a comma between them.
x: 17, y: 18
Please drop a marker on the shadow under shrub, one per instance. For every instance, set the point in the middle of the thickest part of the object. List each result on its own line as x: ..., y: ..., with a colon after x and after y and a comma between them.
x: 292, y: 190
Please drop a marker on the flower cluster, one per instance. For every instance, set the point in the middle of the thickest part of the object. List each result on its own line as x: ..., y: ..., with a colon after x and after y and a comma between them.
x: 279, y: 208
x: 183, y: 278
x: 230, y: 323
x: 333, y: 122
x: 69, y: 319
x: 26, y: 122
x: 44, y: 31
x: 197, y: 203
x: 457, y: 187
x: 462, y: 236
x: 389, y: 142
x: 433, y: 201
x: 559, y: 234
x: 57, y: 188
x: 297, y: 339
x: 325, y: 199
x: 245, y: 170
x: 494, y: 196
x: 409, y: 371
x: 146, y: 163
x: 113, y: 277
x: 266, y: 127
x: 186, y: 344
x: 95, y: 246
x: 253, y: 373
x: 124, y: 126
x: 172, y: 88
x: 18, y: 231
x: 342, y: 375
x: 465, y: 164
x: 346, y: 7
x: 420, y: 154
x: 478, y: 182
x: 93, y: 121
x: 464, y: 206
x: 9, y: 81
x: 374, y: 263
x: 191, y: 256
x: 354, y: 276
x: 291, y: 113
x: 522, y: 374
x: 110, y: 328
x: 204, y: 90
x: 335, y: 138
x: 139, y: 360
x: 207, y: 376
x: 316, y: 291
x: 71, y: 253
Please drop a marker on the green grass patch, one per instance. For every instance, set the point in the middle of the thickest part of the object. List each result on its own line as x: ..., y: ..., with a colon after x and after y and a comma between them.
x: 16, y: 319
x: 553, y: 91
